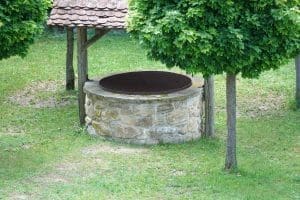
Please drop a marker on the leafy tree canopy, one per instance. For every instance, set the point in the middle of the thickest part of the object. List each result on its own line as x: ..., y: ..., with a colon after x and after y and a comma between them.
x: 20, y: 22
x: 212, y: 37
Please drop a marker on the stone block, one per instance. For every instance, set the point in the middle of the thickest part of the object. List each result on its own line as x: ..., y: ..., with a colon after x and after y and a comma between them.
x: 89, y: 109
x: 109, y: 114
x: 144, y: 110
x: 167, y: 134
x: 144, y: 122
x: 180, y: 104
x: 178, y: 116
x: 101, y: 128
x: 165, y: 108
x: 124, y: 132
x: 99, y: 105
x: 88, y: 121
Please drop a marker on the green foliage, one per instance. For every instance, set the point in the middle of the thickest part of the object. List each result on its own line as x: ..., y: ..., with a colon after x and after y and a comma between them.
x: 44, y: 154
x: 213, y: 37
x: 20, y: 22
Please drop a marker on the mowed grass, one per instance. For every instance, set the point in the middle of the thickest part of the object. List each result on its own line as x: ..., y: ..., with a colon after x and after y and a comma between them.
x: 45, y: 154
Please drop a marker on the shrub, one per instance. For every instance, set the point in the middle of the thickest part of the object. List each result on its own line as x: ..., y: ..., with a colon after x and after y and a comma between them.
x: 20, y: 22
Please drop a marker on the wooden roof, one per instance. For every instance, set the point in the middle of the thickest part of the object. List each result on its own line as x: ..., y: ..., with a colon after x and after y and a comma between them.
x: 107, y: 14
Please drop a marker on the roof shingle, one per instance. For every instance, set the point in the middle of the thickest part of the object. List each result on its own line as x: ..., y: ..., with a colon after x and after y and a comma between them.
x: 106, y: 14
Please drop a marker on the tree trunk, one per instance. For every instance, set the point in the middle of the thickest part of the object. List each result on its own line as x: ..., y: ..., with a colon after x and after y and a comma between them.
x: 231, y: 162
x: 209, y: 107
x: 82, y: 70
x: 297, y: 63
x: 70, y: 76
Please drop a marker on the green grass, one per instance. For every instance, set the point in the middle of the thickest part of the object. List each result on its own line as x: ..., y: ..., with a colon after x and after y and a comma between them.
x: 44, y: 154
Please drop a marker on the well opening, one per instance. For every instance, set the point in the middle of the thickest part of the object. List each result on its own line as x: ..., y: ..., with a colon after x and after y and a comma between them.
x: 145, y: 83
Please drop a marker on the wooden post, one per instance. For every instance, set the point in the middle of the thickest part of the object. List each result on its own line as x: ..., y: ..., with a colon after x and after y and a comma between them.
x: 82, y: 58
x: 297, y: 63
x: 231, y: 162
x: 70, y: 76
x: 209, y: 130
x: 82, y: 70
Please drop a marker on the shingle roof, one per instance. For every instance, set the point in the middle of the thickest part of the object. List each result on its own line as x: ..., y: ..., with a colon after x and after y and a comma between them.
x: 89, y: 13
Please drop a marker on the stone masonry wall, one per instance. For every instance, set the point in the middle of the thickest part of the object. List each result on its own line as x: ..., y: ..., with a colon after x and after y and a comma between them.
x: 146, y: 121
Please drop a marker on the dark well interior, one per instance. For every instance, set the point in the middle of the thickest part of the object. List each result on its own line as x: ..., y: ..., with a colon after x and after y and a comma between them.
x: 145, y: 83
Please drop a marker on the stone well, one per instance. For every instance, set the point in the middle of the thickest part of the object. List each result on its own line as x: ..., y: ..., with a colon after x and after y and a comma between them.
x: 145, y: 119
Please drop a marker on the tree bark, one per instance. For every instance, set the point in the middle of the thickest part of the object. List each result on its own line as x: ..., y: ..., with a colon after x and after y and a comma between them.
x: 82, y: 70
x: 231, y: 162
x: 297, y: 63
x: 209, y: 130
x: 70, y: 76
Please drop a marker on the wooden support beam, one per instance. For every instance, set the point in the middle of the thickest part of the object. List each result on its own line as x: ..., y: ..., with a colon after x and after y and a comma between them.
x: 82, y: 70
x: 99, y: 33
x: 297, y: 65
x: 82, y: 56
x: 70, y: 75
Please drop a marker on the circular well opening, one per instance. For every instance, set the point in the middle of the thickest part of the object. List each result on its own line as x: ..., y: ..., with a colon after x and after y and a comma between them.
x: 145, y: 83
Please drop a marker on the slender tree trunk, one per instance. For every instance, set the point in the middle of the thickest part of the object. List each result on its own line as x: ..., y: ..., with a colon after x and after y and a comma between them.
x: 70, y: 76
x: 297, y: 63
x: 82, y: 70
x: 231, y: 162
x: 209, y: 107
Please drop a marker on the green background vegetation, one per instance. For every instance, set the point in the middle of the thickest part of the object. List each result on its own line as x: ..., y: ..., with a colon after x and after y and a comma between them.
x: 213, y: 37
x: 47, y: 159
x: 20, y: 22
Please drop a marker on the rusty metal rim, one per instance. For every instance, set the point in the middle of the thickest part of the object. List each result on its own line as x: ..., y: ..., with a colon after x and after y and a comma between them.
x: 139, y: 83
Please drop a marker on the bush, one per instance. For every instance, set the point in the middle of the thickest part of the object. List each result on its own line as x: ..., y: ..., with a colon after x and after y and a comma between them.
x: 20, y: 22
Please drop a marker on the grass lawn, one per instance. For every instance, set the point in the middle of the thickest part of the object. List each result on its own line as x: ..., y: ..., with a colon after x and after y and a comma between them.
x: 44, y: 154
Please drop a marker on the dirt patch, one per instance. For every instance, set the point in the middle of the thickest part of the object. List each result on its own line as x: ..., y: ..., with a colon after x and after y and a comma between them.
x: 68, y: 166
x: 79, y: 168
x: 61, y: 174
x: 19, y: 196
x: 69, y: 170
x: 26, y: 146
x: 259, y: 105
x: 52, y: 178
x: 122, y: 150
x: 43, y: 94
x: 178, y: 172
x: 12, y: 131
